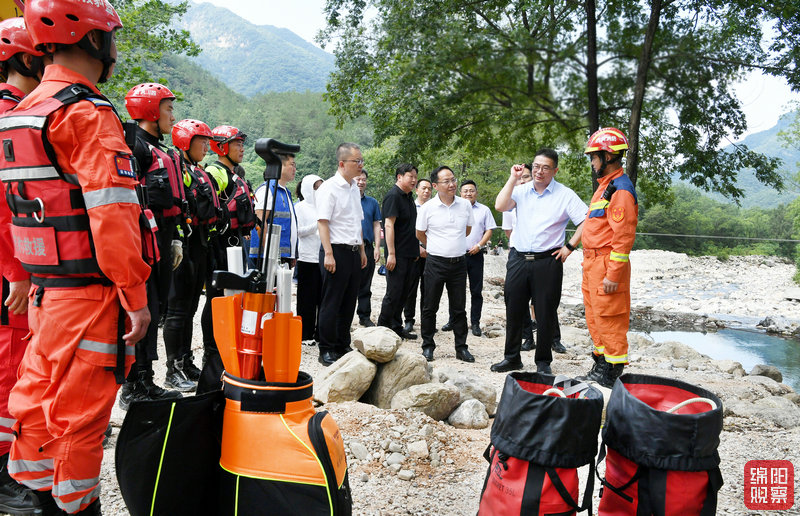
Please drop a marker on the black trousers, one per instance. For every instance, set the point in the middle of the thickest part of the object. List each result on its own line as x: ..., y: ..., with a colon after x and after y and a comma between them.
x: 411, y: 301
x: 309, y: 295
x: 186, y: 287
x: 443, y: 272
x: 541, y: 280
x: 339, y: 292
x: 364, y: 309
x: 475, y: 276
x: 398, y: 284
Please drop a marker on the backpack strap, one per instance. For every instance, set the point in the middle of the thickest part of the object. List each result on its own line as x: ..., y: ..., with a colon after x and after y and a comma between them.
x: 7, y: 95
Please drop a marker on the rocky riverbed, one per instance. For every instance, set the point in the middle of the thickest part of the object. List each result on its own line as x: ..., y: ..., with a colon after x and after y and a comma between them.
x: 442, y: 467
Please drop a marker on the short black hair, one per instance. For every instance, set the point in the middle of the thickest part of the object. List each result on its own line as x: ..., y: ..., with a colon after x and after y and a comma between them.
x: 364, y: 171
x: 424, y: 179
x: 435, y: 173
x: 468, y: 182
x: 403, y: 168
x: 297, y: 189
x: 548, y: 153
x: 345, y: 149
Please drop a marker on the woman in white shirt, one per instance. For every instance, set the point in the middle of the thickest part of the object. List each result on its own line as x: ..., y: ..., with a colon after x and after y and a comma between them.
x: 309, y: 277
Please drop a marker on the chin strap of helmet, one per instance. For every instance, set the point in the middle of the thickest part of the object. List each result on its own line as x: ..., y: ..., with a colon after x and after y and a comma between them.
x: 605, y: 161
x: 103, y: 54
x: 36, y: 68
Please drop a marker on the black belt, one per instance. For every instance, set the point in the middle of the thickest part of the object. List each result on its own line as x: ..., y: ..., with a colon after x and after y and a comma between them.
x: 457, y: 259
x: 348, y: 247
x: 81, y: 281
x: 538, y: 256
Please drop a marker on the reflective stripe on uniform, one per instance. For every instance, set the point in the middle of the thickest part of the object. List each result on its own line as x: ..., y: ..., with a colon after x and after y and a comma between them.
x: 599, y: 205
x: 618, y: 257
x: 8, y: 422
x: 102, y: 347
x: 112, y: 195
x: 599, y: 350
x: 282, y: 214
x: 18, y: 122
x: 30, y: 466
x: 617, y: 359
x: 66, y: 488
x: 6, y: 437
x: 29, y: 173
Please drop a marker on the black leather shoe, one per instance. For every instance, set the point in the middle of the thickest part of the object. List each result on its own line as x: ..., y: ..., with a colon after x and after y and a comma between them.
x: 464, y: 355
x: 428, y: 354
x: 507, y: 365
x: 366, y: 323
x: 558, y: 347
x: 407, y: 335
x: 327, y: 358
x: 409, y: 327
x: 543, y: 367
x: 447, y: 327
x: 476, y: 330
x: 18, y: 499
x: 528, y: 345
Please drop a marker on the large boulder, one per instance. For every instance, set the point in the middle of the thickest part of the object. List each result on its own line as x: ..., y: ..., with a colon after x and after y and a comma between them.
x: 472, y: 388
x: 768, y: 371
x: 376, y: 343
x: 346, y: 380
x: 470, y: 414
x: 673, y: 349
x: 777, y: 409
x: 405, y: 370
x: 437, y: 400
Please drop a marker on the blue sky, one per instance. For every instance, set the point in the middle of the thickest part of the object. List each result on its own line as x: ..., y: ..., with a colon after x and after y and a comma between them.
x: 763, y: 98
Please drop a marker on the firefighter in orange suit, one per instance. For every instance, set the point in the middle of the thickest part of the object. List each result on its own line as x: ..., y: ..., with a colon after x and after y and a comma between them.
x: 608, y: 236
x: 22, y: 66
x: 76, y: 229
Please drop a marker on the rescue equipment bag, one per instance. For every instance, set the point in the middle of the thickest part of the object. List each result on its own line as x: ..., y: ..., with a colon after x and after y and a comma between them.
x: 278, y: 452
x: 167, y: 455
x: 240, y: 206
x: 545, y: 428
x: 661, y: 437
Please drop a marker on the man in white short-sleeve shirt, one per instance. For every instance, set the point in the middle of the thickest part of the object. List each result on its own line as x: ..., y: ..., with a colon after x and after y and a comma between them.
x: 342, y: 256
x: 443, y: 224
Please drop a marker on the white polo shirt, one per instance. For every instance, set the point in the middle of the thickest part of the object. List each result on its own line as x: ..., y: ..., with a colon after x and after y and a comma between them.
x: 483, y: 221
x: 509, y: 223
x: 542, y: 218
x: 445, y: 226
x: 339, y: 202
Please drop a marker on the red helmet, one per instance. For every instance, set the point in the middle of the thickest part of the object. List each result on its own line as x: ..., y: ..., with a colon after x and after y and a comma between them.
x: 185, y: 130
x: 68, y: 21
x: 608, y: 139
x: 223, y: 135
x: 14, y: 38
x: 142, y: 101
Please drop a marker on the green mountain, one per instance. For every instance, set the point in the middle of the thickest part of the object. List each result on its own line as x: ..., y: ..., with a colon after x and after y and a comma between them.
x: 757, y: 195
x: 252, y: 59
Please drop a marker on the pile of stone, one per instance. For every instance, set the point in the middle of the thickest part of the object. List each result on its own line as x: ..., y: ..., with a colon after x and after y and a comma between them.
x: 379, y: 373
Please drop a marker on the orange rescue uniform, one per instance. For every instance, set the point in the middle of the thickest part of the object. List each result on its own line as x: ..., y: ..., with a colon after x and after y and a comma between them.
x: 13, y: 328
x: 608, y: 235
x: 63, y: 399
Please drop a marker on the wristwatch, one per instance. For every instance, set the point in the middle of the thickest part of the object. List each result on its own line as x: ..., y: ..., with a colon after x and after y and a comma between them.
x: 569, y: 246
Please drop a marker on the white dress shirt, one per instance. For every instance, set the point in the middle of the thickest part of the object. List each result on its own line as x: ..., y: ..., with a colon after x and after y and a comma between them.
x: 542, y: 218
x: 484, y: 220
x: 445, y: 226
x: 339, y: 202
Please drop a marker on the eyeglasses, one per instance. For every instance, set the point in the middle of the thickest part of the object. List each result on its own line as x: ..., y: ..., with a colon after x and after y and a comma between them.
x: 356, y: 161
x: 447, y: 182
x: 544, y: 168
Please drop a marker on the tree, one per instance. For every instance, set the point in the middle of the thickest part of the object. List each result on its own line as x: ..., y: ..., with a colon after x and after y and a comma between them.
x: 510, y: 75
x: 147, y: 35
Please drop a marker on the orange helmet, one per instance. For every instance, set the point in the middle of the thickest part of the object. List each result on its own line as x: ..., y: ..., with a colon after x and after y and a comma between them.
x: 14, y: 38
x: 608, y: 139
x: 185, y: 130
x: 68, y: 21
x: 223, y: 135
x: 142, y: 101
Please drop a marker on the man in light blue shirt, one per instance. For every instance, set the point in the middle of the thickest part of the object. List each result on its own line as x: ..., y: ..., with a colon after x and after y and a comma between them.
x: 535, y: 263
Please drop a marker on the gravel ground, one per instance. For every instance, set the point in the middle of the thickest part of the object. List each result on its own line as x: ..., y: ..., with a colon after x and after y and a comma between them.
x: 449, y: 480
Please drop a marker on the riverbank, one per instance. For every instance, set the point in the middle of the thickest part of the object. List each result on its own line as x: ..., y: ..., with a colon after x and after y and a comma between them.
x: 761, y: 415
